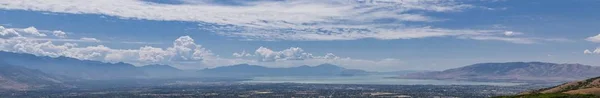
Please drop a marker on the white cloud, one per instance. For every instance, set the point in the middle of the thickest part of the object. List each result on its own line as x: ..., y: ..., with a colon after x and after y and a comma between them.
x: 183, y: 49
x: 293, y: 53
x: 295, y: 56
x: 8, y: 33
x: 184, y: 53
x: 242, y: 54
x: 264, y: 54
x: 33, y: 31
x: 594, y: 38
x: 507, y: 39
x: 30, y: 32
x: 252, y: 14
x: 330, y: 56
x: 186, y: 49
x: 587, y: 51
x: 59, y: 34
x: 512, y: 33
x: 303, y: 20
x: 89, y: 39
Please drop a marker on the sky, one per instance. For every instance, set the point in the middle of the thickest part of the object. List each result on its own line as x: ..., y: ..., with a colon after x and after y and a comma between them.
x: 373, y: 35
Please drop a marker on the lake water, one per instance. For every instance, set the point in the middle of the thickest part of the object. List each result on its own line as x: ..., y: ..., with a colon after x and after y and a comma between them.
x: 372, y: 79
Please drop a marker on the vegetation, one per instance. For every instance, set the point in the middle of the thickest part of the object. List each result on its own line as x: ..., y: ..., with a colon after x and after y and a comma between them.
x: 553, y: 95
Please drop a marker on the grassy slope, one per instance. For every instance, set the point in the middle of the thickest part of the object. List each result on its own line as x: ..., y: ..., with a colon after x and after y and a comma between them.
x: 553, y: 95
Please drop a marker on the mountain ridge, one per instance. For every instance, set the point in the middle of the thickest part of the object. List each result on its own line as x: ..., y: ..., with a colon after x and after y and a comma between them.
x: 20, y: 78
x: 97, y: 70
x: 514, y: 72
x: 304, y: 70
x: 71, y: 67
x: 587, y: 86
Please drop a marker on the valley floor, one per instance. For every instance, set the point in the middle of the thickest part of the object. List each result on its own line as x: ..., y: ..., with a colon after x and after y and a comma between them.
x: 285, y: 90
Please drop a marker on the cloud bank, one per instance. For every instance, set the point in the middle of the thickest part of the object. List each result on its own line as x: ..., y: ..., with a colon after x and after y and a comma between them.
x: 298, y: 20
x: 264, y: 54
x: 184, y: 52
x: 297, y: 56
x: 184, y: 48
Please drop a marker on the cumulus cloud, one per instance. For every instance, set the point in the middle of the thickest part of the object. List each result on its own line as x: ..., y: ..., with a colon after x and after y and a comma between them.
x: 303, y: 20
x: 184, y: 53
x: 184, y: 49
x: 242, y: 54
x: 293, y: 53
x: 8, y: 33
x: 59, y: 34
x: 264, y: 54
x: 33, y: 31
x: 587, y: 51
x: 295, y: 56
x: 594, y: 38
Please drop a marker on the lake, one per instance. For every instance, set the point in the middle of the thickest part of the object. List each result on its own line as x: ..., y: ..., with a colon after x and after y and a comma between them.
x: 371, y: 79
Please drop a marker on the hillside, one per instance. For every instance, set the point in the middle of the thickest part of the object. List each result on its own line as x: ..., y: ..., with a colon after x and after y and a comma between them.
x: 20, y: 78
x: 166, y: 72
x: 514, y: 72
x: 588, y: 86
x: 71, y: 67
x: 96, y: 70
x: 552, y: 95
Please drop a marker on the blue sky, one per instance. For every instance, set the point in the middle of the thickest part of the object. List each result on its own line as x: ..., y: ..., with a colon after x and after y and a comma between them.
x: 376, y: 35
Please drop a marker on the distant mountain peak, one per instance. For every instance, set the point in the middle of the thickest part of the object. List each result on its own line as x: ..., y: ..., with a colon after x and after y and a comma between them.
x: 514, y: 71
x: 243, y: 65
x: 71, y: 67
x: 304, y: 70
x: 328, y: 65
x: 304, y: 66
x: 158, y: 66
x: 20, y: 78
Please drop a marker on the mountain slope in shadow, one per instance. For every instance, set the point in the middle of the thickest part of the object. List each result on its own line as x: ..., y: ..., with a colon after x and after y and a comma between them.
x: 71, y: 67
x: 20, y: 78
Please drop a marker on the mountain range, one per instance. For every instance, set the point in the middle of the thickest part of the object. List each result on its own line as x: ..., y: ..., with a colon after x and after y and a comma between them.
x: 20, y: 78
x: 513, y: 72
x: 245, y: 70
x: 71, y: 67
x: 25, y: 71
